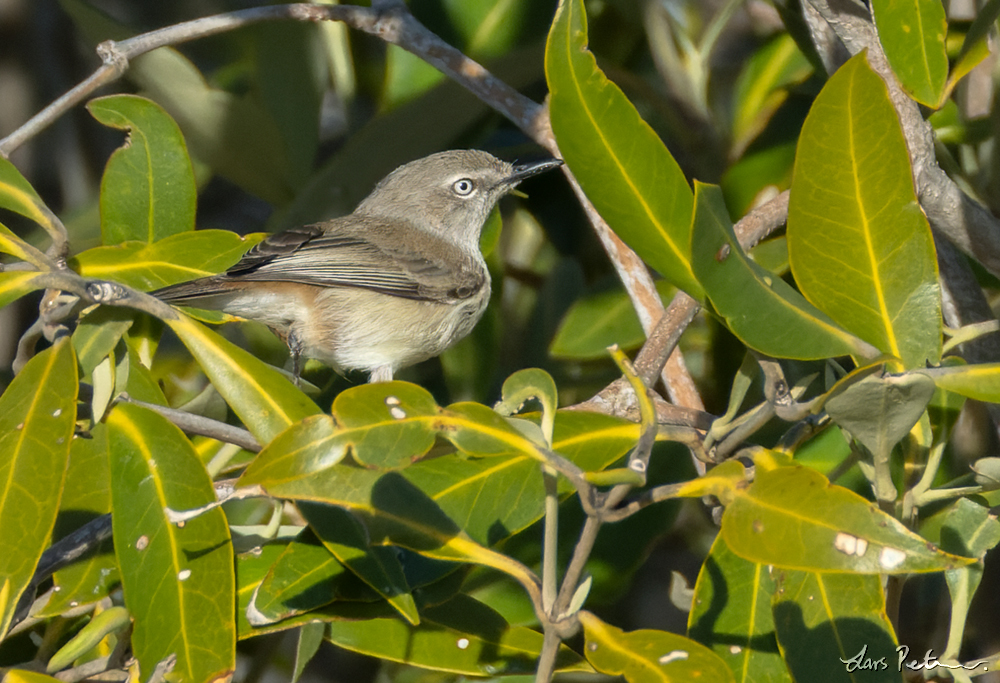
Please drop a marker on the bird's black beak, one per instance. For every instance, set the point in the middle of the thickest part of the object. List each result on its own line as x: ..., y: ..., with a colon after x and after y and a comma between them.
x: 531, y: 168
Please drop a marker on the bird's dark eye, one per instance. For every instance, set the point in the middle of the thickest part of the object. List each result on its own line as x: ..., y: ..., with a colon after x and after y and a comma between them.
x: 463, y: 187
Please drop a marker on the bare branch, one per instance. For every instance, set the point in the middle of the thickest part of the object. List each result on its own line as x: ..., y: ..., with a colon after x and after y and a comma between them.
x: 203, y: 426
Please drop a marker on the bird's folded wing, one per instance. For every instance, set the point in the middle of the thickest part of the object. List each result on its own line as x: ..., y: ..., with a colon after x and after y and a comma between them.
x: 428, y: 269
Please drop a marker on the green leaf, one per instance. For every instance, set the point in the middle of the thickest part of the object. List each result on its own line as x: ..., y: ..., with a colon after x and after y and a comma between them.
x: 912, y: 33
x: 461, y: 636
x: 406, y: 77
x: 234, y: 134
x: 37, y: 416
x: 879, y: 410
x: 379, y: 567
x: 305, y: 576
x: 837, y: 618
x: 147, y: 190
x: 103, y: 624
x: 793, y: 517
x: 492, y: 496
x: 731, y: 614
x: 975, y: 47
x: 597, y: 321
x: 762, y: 86
x: 17, y: 195
x: 646, y: 656
x: 488, y: 27
x: 859, y: 245
x: 981, y: 381
x: 176, y: 579
x: 23, y: 676
x: 262, y: 397
x: 760, y: 308
x: 87, y: 495
x: 252, y: 568
x: 98, y: 333
x: 527, y: 384
x: 620, y: 162
x: 306, y: 647
x: 386, y: 424
x: 19, y: 249
x: 15, y: 284
x: 177, y: 258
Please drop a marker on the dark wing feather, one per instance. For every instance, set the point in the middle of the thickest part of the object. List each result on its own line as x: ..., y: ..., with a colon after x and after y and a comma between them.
x: 363, y: 253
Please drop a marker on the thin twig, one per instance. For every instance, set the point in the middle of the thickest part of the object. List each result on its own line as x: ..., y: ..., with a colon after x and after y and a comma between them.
x: 198, y: 424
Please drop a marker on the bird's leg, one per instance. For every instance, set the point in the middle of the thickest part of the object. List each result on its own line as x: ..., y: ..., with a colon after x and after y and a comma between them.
x: 382, y: 373
x: 295, y: 349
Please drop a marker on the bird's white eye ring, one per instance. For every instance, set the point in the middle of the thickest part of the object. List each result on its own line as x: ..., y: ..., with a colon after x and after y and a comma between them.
x: 463, y: 187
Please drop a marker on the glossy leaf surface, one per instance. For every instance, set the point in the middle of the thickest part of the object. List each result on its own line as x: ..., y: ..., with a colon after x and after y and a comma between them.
x: 17, y: 195
x: 15, y: 284
x: 176, y: 578
x: 621, y: 163
x: 646, y: 656
x: 858, y: 243
x: 37, y: 416
x: 461, y: 636
x: 379, y: 567
x: 147, y: 191
x: 178, y: 258
x: 760, y: 308
x: 261, y: 396
x: 980, y: 381
x: 491, y: 497
x: 731, y: 613
x: 912, y: 33
x: 834, y: 617
x: 793, y: 517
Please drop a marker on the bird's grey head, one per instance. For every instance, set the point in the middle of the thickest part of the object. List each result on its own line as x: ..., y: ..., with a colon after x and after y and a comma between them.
x: 449, y: 192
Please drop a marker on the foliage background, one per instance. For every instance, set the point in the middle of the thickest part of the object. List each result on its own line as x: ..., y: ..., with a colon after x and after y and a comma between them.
x: 348, y: 110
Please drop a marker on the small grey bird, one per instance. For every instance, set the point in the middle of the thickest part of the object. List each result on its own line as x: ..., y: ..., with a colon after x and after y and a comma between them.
x: 394, y: 283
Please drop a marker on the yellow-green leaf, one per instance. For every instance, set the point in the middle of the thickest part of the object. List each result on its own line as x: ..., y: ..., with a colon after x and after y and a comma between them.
x: 14, y: 284
x: 731, y: 613
x: 19, y: 196
x: 975, y: 47
x: 859, y: 245
x: 147, y: 190
x: 18, y: 248
x: 621, y: 163
x: 177, y: 258
x: 762, y: 86
x: 37, y: 416
x: 648, y: 656
x: 177, y: 579
x: 760, y: 308
x: 912, y: 33
x: 261, y: 396
x: 794, y: 517
x: 833, y: 617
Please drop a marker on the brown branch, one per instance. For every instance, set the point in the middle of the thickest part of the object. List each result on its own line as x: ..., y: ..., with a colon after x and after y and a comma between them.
x: 616, y: 398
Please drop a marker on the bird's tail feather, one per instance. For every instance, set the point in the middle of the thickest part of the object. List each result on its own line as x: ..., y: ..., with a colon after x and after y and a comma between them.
x: 192, y: 292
